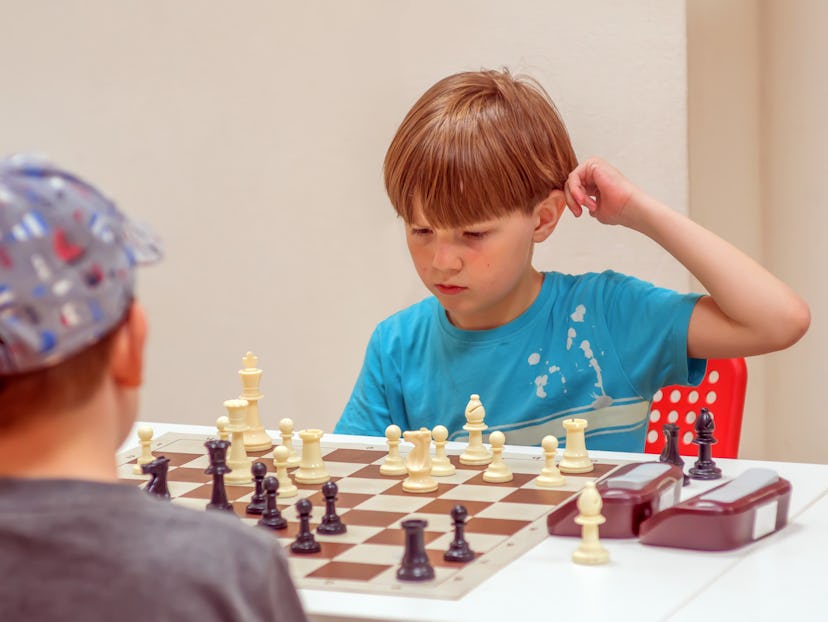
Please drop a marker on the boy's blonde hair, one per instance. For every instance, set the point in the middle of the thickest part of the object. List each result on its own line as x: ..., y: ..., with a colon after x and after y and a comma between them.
x: 476, y: 146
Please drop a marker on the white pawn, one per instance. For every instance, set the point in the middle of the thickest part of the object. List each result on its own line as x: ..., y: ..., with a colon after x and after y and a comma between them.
x: 145, y: 437
x: 221, y: 428
x: 441, y: 466
x: 590, y: 550
x: 280, y: 463
x: 286, y: 429
x: 549, y: 476
x: 393, y: 464
x: 497, y: 471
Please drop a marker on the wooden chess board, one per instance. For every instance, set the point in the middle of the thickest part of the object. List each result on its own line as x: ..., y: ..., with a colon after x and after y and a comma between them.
x: 505, y: 520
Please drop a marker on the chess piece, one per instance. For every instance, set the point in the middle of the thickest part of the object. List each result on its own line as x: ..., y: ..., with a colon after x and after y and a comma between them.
x: 705, y: 468
x: 331, y: 523
x: 311, y: 470
x: 415, y: 565
x: 305, y: 542
x: 238, y: 460
x: 257, y: 502
x: 393, y: 463
x: 549, y: 476
x: 286, y: 430
x: 221, y: 428
x: 459, y: 550
x: 157, y: 469
x: 475, y: 453
x: 575, y: 458
x: 590, y: 551
x: 145, y: 439
x: 670, y: 454
x: 280, y: 463
x: 441, y: 466
x: 218, y: 469
x: 255, y: 437
x: 497, y: 472
x: 271, y: 516
x: 418, y: 463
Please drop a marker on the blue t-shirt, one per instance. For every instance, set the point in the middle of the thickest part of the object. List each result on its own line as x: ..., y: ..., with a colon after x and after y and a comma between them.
x: 593, y: 346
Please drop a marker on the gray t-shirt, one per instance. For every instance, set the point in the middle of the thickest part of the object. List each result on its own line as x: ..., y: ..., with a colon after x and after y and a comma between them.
x: 77, y: 550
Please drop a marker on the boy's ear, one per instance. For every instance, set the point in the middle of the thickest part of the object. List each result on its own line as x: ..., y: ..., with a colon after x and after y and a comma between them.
x: 547, y: 214
x: 127, y: 359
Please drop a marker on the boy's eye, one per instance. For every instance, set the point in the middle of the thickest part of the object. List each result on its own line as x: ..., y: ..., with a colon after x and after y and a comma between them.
x: 475, y: 235
x: 420, y: 230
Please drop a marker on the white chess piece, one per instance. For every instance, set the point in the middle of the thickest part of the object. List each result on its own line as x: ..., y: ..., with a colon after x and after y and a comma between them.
x: 497, y: 471
x: 475, y: 453
x: 280, y: 463
x: 312, y: 469
x: 441, y: 466
x: 418, y: 463
x: 575, y: 457
x: 237, y: 459
x: 286, y: 430
x: 393, y: 464
x: 255, y: 437
x: 549, y: 476
x: 221, y: 428
x: 145, y: 438
x: 589, y: 517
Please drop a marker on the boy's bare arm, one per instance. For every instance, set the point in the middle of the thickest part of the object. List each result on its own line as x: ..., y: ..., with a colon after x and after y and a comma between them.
x: 749, y: 311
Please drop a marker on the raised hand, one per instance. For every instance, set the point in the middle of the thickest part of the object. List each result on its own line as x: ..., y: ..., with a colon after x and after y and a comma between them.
x: 602, y: 190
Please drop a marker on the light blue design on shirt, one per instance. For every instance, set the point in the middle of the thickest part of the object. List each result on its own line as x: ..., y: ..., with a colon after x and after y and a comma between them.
x: 595, y: 346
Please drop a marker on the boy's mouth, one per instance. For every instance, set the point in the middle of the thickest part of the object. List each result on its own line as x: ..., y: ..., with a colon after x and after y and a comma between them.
x: 449, y: 290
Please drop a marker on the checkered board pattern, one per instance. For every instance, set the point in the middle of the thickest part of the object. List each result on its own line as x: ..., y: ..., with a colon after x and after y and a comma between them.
x: 504, y: 520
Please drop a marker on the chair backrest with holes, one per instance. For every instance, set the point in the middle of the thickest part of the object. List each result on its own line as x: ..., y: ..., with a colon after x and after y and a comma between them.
x: 722, y: 392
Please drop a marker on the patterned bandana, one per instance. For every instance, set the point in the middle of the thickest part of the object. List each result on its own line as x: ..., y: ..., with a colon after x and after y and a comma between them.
x: 67, y: 264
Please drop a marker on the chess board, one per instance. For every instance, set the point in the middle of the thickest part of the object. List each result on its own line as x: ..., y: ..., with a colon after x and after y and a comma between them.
x: 504, y: 520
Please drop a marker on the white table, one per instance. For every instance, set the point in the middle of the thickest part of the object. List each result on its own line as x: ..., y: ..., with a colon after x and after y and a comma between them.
x: 776, y: 578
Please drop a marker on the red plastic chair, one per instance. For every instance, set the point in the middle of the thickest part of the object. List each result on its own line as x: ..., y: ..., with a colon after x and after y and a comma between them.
x: 722, y: 392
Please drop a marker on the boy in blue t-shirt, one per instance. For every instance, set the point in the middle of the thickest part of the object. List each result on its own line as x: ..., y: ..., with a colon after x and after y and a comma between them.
x: 480, y: 170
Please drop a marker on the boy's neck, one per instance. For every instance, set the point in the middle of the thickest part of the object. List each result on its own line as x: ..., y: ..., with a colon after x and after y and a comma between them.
x: 77, y: 444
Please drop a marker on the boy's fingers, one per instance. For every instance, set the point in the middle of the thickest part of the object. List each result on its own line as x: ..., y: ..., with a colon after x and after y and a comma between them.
x: 573, y: 205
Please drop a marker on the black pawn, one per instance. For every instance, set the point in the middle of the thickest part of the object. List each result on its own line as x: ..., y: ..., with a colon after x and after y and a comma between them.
x: 157, y: 469
x: 271, y: 516
x: 305, y: 542
x: 670, y: 453
x: 218, y: 468
x: 331, y: 523
x: 257, y: 501
x: 415, y: 565
x: 705, y: 467
x: 459, y: 550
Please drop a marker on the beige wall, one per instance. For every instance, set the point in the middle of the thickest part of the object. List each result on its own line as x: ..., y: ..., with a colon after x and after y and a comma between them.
x: 758, y: 161
x: 252, y: 139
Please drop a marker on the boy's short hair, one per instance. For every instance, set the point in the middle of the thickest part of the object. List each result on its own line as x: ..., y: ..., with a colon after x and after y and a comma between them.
x: 476, y: 146
x: 67, y: 276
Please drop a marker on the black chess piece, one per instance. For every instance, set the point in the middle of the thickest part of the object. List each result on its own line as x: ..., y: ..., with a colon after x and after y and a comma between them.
x: 271, y: 516
x: 331, y: 523
x: 305, y: 542
x: 218, y: 468
x: 670, y: 454
x: 257, y: 501
x: 705, y: 467
x: 459, y: 550
x: 415, y: 565
x: 157, y: 469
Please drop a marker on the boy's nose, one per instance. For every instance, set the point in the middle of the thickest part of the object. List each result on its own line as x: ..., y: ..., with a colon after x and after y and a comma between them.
x: 446, y: 257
